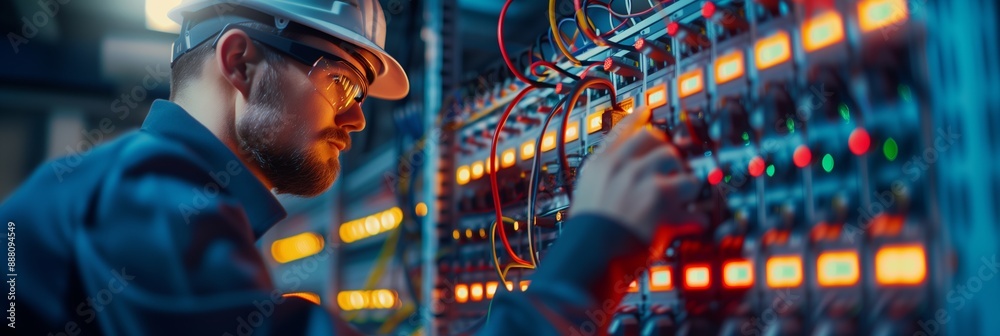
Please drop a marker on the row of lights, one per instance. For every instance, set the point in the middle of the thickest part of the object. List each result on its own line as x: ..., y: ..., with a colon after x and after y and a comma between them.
x: 371, y: 225
x: 896, y: 265
x: 822, y: 30
x: 477, y: 291
x: 297, y: 247
x: 367, y: 299
x: 508, y: 157
x: 859, y: 142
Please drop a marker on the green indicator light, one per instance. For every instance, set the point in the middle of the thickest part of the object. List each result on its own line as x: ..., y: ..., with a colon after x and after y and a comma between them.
x: 828, y: 163
x: 890, y: 149
x: 845, y: 112
x: 746, y: 136
x: 904, y: 92
x: 728, y: 177
x: 770, y: 170
x: 790, y: 124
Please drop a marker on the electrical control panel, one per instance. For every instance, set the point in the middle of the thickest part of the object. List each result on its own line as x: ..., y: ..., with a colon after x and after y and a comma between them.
x: 804, y: 119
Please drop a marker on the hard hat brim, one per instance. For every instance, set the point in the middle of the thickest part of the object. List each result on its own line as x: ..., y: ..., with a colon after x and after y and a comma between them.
x: 391, y: 83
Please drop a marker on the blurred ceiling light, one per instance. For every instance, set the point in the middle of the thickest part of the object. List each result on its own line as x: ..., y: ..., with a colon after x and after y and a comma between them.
x: 156, y: 15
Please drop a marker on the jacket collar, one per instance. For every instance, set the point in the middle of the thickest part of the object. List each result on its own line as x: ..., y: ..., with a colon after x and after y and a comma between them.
x: 170, y: 120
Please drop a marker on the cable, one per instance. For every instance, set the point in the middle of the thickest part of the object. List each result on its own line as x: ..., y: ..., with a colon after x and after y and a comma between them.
x: 552, y: 66
x: 583, y: 22
x: 493, y: 162
x: 558, y: 35
x: 567, y: 110
x: 506, y: 58
x: 536, y: 166
x: 652, y: 6
x: 503, y: 270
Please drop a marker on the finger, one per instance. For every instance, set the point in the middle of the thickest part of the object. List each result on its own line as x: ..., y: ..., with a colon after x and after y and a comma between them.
x: 661, y: 160
x: 635, y: 146
x: 628, y: 126
x: 681, y: 187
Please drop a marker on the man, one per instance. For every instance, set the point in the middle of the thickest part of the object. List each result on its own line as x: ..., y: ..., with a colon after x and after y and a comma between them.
x: 154, y: 232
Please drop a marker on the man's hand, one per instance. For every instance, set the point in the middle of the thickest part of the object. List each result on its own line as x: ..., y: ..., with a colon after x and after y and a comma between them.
x: 641, y: 181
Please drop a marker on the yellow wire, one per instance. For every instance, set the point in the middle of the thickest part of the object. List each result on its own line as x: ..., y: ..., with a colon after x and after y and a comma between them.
x: 558, y: 35
x: 502, y: 272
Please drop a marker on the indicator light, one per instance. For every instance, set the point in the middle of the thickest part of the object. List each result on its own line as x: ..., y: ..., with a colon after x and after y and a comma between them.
x: 360, y: 299
x: 715, y: 176
x: 890, y: 149
x: 876, y: 14
x: 455, y: 234
x: 548, y: 141
x: 802, y: 156
x: 784, y: 272
x: 729, y: 67
x: 594, y: 122
x: 527, y: 150
x: 296, y: 247
x: 690, y: 83
x: 461, y: 293
x: 772, y: 50
x: 770, y: 170
x: 673, y: 28
x: 388, y: 220
x: 827, y: 163
x: 708, y: 9
x: 900, y: 265
x: 725, y: 16
x: 685, y: 34
x: 508, y: 158
x: 383, y: 299
x: 859, y: 141
x: 756, y: 166
x: 477, y: 170
x: 633, y: 287
x: 509, y: 285
x: 491, y: 289
x: 572, y: 131
x: 524, y: 285
x: 656, y: 96
x: 822, y: 30
x: 476, y: 291
x: 837, y: 269
x: 372, y: 225
x: 737, y: 274
x: 660, y: 279
x: 697, y: 277
x: 622, y: 66
x: 462, y: 175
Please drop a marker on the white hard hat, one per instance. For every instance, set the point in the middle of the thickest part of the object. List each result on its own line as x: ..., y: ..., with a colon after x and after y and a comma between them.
x: 359, y: 22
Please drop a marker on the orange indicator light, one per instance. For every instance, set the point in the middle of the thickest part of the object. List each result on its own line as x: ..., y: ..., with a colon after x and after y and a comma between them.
x: 697, y: 277
x: 822, y: 30
x: 772, y: 50
x: 784, y: 272
x: 900, y: 265
x: 729, y: 67
x: 690, y: 83
x: 838, y: 269
x: 737, y: 274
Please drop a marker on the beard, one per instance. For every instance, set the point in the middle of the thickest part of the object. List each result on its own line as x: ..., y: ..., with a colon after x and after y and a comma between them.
x: 265, y: 132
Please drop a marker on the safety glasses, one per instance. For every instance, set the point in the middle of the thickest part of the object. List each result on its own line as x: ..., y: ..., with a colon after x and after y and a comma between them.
x: 336, y: 79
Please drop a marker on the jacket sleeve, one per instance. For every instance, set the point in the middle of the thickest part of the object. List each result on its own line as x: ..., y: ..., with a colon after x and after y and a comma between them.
x: 578, y: 286
x: 167, y: 253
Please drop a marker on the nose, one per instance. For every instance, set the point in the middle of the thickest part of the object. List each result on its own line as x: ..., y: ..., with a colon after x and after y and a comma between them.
x: 351, y: 119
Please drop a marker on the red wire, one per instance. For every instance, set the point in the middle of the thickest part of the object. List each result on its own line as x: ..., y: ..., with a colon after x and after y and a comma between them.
x: 503, y: 50
x: 493, y: 161
x: 616, y: 14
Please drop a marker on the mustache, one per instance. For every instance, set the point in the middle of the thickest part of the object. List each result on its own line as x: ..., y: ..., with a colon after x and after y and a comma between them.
x: 336, y: 134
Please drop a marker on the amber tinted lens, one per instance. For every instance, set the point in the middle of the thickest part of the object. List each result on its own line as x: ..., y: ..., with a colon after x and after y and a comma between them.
x: 338, y: 82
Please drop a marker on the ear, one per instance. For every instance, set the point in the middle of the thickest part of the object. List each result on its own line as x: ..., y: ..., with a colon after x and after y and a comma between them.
x: 238, y: 59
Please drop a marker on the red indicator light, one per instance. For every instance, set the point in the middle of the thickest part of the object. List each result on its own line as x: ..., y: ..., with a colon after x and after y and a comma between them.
x: 859, y: 141
x: 802, y: 157
x: 756, y: 166
x: 673, y: 28
x: 638, y: 43
x: 715, y: 176
x: 708, y: 9
x: 607, y: 63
